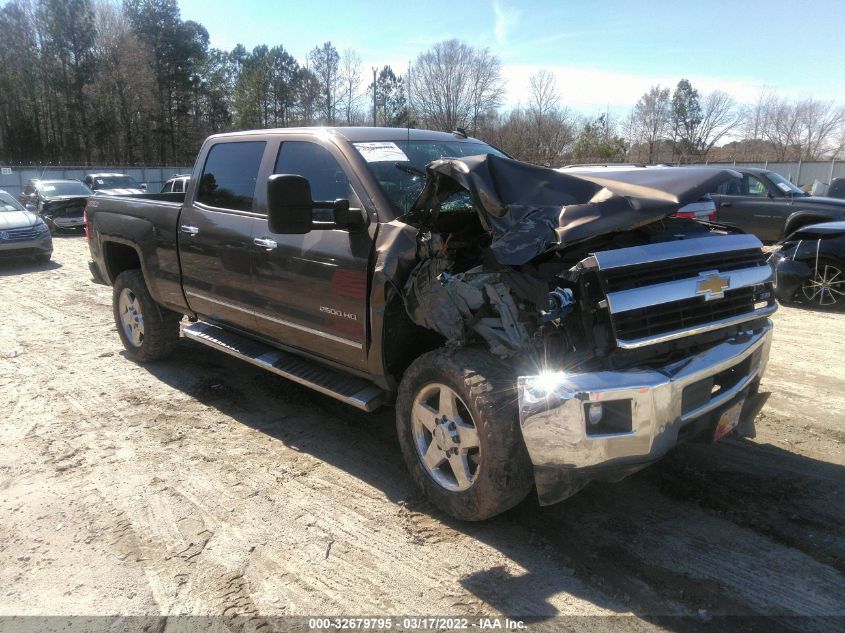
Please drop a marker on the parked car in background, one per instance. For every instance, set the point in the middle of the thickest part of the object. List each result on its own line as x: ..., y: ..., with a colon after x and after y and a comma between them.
x: 22, y: 233
x: 60, y: 203
x: 810, y: 266
x: 703, y: 210
x: 836, y: 189
x: 177, y: 184
x: 767, y: 205
x: 114, y: 184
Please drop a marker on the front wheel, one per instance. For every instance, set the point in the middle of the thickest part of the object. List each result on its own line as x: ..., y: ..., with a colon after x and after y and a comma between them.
x: 458, y: 428
x: 826, y: 286
x: 148, y: 331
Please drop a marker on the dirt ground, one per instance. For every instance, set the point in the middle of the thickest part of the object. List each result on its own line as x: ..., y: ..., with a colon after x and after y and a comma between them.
x: 205, y: 486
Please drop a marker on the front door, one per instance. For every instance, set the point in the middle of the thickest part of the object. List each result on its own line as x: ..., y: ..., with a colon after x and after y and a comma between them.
x: 312, y: 288
x: 747, y: 204
x: 215, y: 234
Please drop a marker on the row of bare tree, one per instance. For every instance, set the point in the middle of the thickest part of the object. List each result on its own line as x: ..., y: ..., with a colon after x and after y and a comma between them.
x: 84, y: 81
x: 688, y: 127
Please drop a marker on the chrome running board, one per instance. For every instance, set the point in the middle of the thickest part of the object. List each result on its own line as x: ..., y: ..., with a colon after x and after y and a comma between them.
x: 349, y: 389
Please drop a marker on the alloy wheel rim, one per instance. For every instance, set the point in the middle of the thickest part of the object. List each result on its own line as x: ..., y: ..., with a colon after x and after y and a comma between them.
x: 826, y: 287
x: 131, y: 317
x: 445, y: 437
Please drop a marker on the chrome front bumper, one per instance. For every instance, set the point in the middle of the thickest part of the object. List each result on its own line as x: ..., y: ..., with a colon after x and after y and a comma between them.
x: 553, y: 408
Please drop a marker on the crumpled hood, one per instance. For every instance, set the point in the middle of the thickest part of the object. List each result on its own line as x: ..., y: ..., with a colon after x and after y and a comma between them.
x: 529, y: 210
x: 17, y: 219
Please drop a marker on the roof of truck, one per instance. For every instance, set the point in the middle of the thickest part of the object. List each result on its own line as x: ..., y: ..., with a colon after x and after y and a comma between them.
x: 360, y: 134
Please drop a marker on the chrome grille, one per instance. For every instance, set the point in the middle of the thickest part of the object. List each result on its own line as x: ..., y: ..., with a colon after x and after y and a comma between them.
x: 21, y: 235
x: 683, y: 268
x: 660, y: 292
x: 678, y: 315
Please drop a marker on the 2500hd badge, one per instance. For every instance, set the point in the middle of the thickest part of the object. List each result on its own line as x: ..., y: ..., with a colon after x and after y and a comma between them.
x: 340, y: 313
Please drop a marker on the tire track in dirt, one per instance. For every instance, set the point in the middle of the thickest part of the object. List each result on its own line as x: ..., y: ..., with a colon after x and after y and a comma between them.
x: 233, y: 492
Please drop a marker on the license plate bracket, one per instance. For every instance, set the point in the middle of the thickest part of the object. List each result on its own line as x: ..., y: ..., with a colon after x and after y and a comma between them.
x: 728, y: 419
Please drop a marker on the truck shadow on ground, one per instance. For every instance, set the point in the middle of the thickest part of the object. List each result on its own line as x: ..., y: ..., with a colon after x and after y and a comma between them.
x: 682, y: 538
x: 23, y: 265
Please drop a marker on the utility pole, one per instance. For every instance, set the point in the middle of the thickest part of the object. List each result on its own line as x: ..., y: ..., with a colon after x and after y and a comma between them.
x: 374, y: 96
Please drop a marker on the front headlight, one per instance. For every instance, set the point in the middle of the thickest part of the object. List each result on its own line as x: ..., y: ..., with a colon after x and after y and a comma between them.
x: 41, y: 227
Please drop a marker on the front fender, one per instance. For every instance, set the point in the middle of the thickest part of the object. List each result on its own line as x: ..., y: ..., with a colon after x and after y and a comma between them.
x: 797, y: 219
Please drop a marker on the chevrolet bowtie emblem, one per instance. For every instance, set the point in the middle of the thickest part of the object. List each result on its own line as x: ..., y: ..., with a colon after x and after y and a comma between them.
x: 712, y: 285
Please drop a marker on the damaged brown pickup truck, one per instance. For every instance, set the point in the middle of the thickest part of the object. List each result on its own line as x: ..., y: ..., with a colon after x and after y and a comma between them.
x: 532, y: 328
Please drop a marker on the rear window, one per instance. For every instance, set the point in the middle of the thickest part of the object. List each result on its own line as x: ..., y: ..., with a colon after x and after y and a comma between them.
x: 230, y: 174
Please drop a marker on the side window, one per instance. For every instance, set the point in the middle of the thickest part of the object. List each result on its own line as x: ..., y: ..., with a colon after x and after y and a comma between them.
x: 229, y: 176
x: 179, y: 185
x: 752, y: 186
x: 314, y: 162
x: 732, y: 187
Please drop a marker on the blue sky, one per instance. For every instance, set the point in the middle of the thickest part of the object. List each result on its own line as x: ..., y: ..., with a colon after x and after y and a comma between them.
x: 604, y: 54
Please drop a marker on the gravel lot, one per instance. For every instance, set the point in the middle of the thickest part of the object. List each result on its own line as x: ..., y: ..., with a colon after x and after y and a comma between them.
x: 205, y: 486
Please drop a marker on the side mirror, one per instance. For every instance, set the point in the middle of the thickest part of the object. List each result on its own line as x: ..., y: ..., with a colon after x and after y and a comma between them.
x: 289, y: 204
x: 290, y: 208
x: 143, y: 186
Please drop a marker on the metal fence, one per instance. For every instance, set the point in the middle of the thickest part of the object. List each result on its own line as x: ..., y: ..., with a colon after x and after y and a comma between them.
x: 12, y: 179
x: 800, y: 173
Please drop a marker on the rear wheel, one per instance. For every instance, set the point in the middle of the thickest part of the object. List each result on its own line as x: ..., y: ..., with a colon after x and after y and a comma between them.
x: 458, y: 428
x: 826, y: 286
x: 148, y: 331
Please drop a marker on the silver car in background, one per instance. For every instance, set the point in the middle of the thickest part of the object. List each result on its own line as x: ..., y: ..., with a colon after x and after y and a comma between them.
x: 22, y: 233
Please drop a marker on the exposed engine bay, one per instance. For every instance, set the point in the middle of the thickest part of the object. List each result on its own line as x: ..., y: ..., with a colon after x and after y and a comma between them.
x: 501, y: 260
x: 526, y: 311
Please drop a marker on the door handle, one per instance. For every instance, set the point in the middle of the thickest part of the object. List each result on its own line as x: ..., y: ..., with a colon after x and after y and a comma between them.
x: 265, y: 242
x: 726, y: 204
x: 190, y: 230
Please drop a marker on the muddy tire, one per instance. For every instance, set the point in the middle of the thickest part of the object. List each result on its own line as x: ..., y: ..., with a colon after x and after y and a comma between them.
x: 148, y: 331
x: 458, y: 427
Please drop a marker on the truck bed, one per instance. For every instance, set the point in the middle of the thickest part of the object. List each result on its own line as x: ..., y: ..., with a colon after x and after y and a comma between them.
x: 144, y: 226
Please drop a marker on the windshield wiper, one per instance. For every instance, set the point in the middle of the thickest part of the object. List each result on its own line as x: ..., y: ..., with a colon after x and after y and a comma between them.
x: 409, y: 169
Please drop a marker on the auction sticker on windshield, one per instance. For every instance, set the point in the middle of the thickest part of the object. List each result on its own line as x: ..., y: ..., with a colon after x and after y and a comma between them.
x: 381, y: 152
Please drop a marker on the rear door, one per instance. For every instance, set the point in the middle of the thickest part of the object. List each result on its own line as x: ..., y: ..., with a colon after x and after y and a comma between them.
x: 748, y: 204
x: 312, y: 288
x: 215, y: 233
